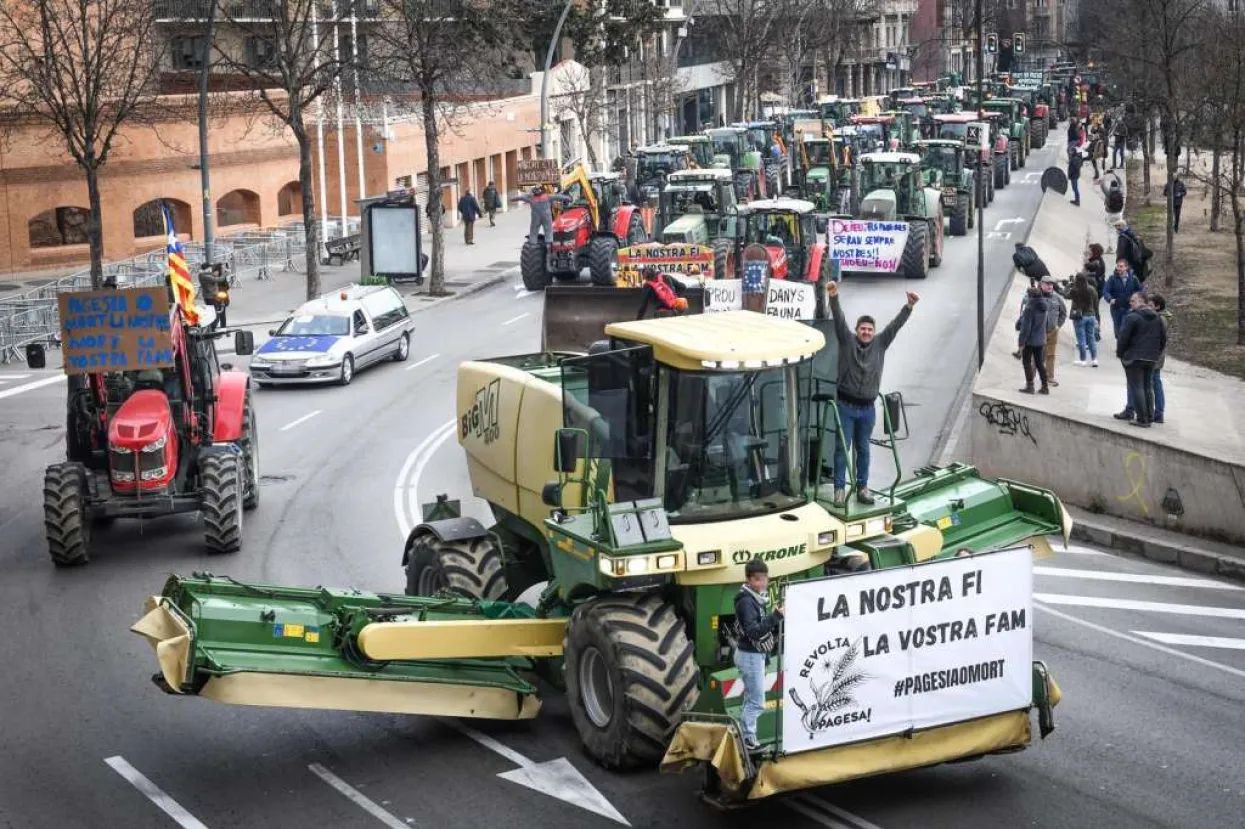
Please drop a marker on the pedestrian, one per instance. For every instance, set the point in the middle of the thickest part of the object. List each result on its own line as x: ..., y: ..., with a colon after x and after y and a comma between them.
x: 1177, y: 191
x: 1056, y: 316
x: 469, y: 210
x: 1113, y: 201
x: 1121, y: 285
x: 1142, y: 340
x: 1121, y: 143
x: 492, y: 203
x: 1159, y: 303
x: 541, y: 204
x: 1075, y: 160
x: 1096, y: 268
x: 1098, y: 152
x: 1032, y: 340
x: 1074, y: 135
x: 862, y: 356
x: 1130, y: 248
x: 1029, y: 263
x: 1084, y: 316
x: 756, y: 634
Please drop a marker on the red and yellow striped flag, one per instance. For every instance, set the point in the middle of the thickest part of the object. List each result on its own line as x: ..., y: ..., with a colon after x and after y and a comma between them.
x: 179, y: 271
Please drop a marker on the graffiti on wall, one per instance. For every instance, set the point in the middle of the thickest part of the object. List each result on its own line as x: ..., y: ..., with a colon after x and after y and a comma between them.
x: 1008, y: 421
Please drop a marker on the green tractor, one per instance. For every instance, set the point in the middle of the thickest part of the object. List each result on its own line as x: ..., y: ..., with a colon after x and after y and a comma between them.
x: 630, y: 486
x: 731, y: 152
x: 768, y: 152
x: 1037, y: 111
x: 653, y: 165
x: 964, y: 127
x: 949, y: 170
x: 838, y: 112
x: 698, y: 207
x: 1013, y: 123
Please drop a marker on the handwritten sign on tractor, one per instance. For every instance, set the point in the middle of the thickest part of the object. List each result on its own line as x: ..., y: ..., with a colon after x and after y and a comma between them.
x: 126, y: 329
x: 783, y: 298
x: 534, y: 171
x: 693, y: 261
x: 871, y: 247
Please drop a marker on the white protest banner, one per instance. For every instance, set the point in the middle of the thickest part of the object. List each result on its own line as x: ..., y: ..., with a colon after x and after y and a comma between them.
x: 878, y: 653
x: 871, y: 247
x: 791, y: 300
x: 723, y: 295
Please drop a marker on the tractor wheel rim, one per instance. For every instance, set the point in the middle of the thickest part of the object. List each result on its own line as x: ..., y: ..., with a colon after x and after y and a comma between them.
x: 596, y: 687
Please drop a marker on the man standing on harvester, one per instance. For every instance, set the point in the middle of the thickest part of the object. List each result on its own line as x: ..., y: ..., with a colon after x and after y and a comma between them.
x: 757, y: 633
x: 862, y: 356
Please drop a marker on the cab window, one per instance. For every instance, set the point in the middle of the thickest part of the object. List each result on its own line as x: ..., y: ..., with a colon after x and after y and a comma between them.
x: 359, y: 323
x: 386, y: 308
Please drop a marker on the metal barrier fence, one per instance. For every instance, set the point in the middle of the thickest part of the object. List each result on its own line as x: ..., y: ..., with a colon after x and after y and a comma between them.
x: 31, y: 316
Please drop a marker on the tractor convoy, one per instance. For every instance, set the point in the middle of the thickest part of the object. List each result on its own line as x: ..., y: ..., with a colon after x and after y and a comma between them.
x: 632, y: 467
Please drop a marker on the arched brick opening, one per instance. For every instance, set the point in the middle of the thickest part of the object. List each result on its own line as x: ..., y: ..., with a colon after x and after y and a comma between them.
x: 290, y: 199
x: 237, y: 207
x: 58, y: 226
x: 148, y: 220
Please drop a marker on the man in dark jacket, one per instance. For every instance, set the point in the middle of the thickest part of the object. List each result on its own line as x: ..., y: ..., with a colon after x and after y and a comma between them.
x: 1029, y: 263
x: 756, y: 630
x: 1120, y: 286
x: 469, y: 210
x: 492, y: 203
x: 1128, y: 247
x: 1142, y: 340
x: 1178, y: 191
x: 1056, y: 316
x: 1075, y: 160
x: 862, y: 355
x: 542, y: 211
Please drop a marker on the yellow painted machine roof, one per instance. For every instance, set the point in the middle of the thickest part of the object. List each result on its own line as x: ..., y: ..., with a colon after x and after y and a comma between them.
x: 728, y: 340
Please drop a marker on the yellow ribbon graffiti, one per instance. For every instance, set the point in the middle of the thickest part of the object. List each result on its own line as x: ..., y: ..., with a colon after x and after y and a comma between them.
x: 1135, y: 469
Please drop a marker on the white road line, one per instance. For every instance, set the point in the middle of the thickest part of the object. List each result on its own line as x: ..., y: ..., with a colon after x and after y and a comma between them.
x: 358, y: 798
x: 838, y: 818
x: 7, y: 378
x: 31, y: 386
x: 402, y: 483
x: 153, y: 793
x: 1168, y: 581
x: 489, y: 743
x: 1145, y: 607
x: 296, y: 422
x: 1106, y: 631
x: 527, y: 294
x: 412, y: 491
x: 514, y: 319
x: 1196, y: 641
x: 424, y: 361
x: 815, y: 816
x: 1074, y: 549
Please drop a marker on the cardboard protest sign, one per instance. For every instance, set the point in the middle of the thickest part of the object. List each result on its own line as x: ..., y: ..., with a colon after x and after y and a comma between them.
x: 783, y: 298
x: 695, y: 261
x: 534, y: 171
x: 125, y: 329
x: 871, y: 247
x: 883, y: 652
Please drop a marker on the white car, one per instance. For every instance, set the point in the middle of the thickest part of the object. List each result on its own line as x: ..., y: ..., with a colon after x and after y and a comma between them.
x: 330, y: 338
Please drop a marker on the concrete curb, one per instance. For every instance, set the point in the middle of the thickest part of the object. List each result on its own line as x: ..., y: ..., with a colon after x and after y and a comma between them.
x: 1157, y: 545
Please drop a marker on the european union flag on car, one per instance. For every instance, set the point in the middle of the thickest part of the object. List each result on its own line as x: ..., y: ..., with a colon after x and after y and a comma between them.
x: 281, y: 345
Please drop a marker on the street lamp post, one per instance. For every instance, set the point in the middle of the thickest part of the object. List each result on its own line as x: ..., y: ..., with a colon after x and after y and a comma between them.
x: 205, y: 178
x: 981, y: 221
x: 544, y: 80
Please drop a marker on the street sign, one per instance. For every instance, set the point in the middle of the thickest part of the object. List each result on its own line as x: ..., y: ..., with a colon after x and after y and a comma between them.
x: 534, y: 171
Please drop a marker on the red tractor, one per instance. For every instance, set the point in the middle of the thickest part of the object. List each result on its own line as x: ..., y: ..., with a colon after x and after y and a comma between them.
x: 144, y: 443
x: 594, y: 223
x: 789, y: 230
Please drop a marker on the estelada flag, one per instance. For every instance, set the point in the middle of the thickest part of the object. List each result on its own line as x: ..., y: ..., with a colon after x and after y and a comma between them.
x: 179, y: 271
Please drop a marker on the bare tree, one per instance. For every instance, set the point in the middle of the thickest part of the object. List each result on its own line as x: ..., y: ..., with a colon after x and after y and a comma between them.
x: 663, y: 87
x: 85, y: 69
x: 446, y: 52
x: 749, y: 32
x: 583, y: 96
x: 288, y: 61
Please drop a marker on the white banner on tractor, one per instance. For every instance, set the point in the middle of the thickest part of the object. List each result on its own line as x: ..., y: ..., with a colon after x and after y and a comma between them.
x: 879, y: 653
x: 871, y: 247
x: 783, y: 298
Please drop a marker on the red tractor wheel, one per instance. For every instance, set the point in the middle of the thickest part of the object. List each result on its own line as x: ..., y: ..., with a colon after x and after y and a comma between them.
x: 65, y: 519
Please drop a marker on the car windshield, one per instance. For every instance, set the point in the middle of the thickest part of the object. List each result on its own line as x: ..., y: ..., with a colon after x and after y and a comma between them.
x: 680, y: 201
x: 730, y: 445
x: 314, y: 325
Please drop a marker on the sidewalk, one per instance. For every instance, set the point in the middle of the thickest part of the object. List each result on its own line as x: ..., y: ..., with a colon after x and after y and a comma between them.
x: 1187, y: 474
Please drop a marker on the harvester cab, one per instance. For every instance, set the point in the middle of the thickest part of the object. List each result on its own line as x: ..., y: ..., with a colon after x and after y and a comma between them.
x: 654, y: 165
x: 730, y: 152
x: 596, y: 219
x: 1014, y: 125
x: 699, y: 146
x: 154, y: 426
x: 948, y: 170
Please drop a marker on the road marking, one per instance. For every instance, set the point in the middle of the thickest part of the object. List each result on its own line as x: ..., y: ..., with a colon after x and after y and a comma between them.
x: 31, y: 386
x: 1168, y: 581
x: 1074, y: 549
x: 527, y: 294
x: 1144, y: 643
x: 999, y: 224
x: 153, y: 793
x: 515, y: 319
x: 8, y: 378
x: 838, y: 818
x: 358, y: 798
x: 1145, y: 607
x: 557, y: 778
x: 296, y: 422
x: 1196, y: 641
x: 424, y: 361
x: 405, y: 489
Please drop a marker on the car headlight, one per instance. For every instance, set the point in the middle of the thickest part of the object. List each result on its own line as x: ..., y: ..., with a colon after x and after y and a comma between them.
x: 156, y: 445
x: 260, y: 361
x: 323, y: 360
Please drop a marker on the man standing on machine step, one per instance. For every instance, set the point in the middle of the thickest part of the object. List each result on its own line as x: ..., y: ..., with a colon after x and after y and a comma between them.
x: 862, y: 355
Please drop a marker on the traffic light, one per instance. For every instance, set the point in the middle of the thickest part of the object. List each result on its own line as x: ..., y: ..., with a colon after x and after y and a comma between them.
x: 1018, y: 40
x: 992, y: 44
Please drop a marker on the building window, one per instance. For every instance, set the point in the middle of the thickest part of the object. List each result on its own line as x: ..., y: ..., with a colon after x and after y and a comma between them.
x: 187, y: 52
x: 260, y: 52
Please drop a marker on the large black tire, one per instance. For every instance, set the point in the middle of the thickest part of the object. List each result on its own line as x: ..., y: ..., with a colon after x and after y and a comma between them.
x: 250, y: 454
x: 1013, y: 155
x: 915, y: 261
x: 1024, y: 151
x: 989, y: 180
x: 602, y: 254
x: 936, y: 240
x: 470, y: 567
x: 960, y: 216
x: 65, y: 521
x: 1000, y: 171
x: 533, y: 267
x: 723, y: 259
x: 630, y: 672
x: 221, y: 485
x: 772, y: 184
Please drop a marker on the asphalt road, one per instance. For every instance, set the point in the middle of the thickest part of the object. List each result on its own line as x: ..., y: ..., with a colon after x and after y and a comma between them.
x: 1149, y: 731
